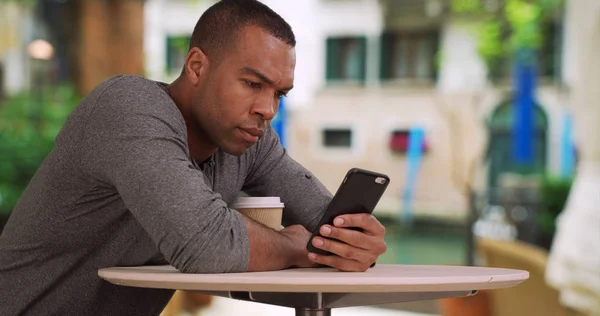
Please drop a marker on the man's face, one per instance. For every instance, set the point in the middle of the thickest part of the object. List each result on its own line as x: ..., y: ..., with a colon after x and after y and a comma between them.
x: 240, y: 96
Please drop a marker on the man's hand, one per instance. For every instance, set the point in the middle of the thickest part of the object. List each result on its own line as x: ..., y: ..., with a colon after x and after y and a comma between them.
x: 298, y: 237
x: 353, y: 250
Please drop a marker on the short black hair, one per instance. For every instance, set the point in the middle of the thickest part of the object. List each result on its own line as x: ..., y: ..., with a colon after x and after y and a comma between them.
x: 219, y: 26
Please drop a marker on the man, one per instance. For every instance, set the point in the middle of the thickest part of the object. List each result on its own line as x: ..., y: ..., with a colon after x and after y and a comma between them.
x: 143, y: 172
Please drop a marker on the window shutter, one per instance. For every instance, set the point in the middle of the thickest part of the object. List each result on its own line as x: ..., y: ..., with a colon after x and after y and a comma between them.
x: 332, y: 55
x: 385, y: 54
x: 435, y: 57
x: 168, y: 54
x: 363, y: 57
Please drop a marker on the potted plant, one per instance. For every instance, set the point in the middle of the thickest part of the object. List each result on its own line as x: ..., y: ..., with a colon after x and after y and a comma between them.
x: 554, y: 192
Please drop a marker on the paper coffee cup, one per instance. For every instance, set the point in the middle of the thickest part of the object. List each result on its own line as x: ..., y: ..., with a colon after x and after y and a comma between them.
x: 265, y: 210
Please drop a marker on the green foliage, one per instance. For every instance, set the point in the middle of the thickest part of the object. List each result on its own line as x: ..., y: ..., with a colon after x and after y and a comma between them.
x: 491, y: 47
x: 516, y: 30
x: 20, y: 2
x: 181, y: 43
x: 554, y: 192
x: 524, y: 19
x: 29, y: 124
x: 465, y: 6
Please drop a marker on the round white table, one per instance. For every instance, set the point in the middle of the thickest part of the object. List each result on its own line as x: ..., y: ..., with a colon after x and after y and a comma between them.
x: 314, y: 292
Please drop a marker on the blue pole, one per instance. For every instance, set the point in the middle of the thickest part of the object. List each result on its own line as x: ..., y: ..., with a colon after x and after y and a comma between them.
x: 523, y: 113
x: 567, y: 150
x: 279, y: 122
x: 413, y: 160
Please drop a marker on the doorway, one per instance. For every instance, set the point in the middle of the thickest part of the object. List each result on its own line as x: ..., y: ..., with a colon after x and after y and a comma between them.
x: 500, y: 146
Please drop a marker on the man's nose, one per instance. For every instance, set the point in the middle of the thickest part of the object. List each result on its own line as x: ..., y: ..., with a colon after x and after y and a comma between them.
x: 265, y: 107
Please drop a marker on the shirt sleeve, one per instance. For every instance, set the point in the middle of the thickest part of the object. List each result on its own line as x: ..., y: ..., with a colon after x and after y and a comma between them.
x: 275, y: 173
x: 135, y: 142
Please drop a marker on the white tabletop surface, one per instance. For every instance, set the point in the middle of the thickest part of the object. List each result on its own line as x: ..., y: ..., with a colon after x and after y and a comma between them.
x: 379, y: 279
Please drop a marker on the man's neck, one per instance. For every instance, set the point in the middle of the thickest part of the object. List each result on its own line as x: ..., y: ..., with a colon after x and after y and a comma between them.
x: 201, y: 148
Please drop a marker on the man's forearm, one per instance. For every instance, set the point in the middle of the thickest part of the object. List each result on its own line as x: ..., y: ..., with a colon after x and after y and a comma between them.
x: 270, y: 249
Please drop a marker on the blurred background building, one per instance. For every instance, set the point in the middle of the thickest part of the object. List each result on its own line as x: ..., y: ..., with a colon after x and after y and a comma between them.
x: 426, y: 91
x: 369, y: 71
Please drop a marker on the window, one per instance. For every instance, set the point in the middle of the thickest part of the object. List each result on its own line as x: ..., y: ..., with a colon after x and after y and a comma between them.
x: 409, y: 55
x: 549, y: 62
x: 346, y: 59
x: 400, y: 140
x: 337, y: 138
x: 500, y: 148
x: 177, y: 49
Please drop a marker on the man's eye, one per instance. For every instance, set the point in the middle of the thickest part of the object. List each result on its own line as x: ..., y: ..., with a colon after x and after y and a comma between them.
x: 279, y: 95
x: 254, y: 85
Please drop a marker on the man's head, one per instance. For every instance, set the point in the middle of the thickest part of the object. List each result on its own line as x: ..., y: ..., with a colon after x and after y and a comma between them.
x: 241, y: 61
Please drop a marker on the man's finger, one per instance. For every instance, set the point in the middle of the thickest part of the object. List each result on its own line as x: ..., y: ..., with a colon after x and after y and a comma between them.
x: 367, y: 222
x: 354, y: 238
x: 344, y: 250
x: 339, y: 263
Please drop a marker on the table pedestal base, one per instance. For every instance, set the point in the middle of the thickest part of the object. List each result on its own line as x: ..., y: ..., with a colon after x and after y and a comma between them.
x: 313, y: 312
x: 320, y: 304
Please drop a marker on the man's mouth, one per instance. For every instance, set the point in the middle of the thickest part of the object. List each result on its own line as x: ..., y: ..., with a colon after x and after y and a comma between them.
x: 254, y: 131
x: 252, y: 135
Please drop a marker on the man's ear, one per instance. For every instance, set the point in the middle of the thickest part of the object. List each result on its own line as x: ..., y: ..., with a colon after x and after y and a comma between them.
x: 195, y: 66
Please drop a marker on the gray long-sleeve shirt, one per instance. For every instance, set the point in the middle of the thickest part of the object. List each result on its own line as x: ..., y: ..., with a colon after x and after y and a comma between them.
x: 120, y: 189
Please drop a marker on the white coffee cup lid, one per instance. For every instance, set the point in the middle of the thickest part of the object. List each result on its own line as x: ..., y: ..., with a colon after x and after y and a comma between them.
x: 258, y: 202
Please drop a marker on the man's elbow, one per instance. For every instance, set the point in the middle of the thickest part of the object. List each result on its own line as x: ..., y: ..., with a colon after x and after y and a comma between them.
x: 223, y: 259
x: 220, y: 249
x: 207, y: 267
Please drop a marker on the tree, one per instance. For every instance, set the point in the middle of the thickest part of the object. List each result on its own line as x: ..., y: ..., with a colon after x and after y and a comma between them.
x: 111, y: 40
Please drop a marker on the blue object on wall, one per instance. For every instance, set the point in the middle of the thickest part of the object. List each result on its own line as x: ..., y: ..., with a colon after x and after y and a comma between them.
x: 279, y: 122
x: 414, y: 156
x: 567, y: 148
x: 522, y: 136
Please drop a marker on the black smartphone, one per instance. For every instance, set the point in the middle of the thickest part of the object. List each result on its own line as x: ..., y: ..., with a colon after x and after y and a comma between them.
x: 359, y: 192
